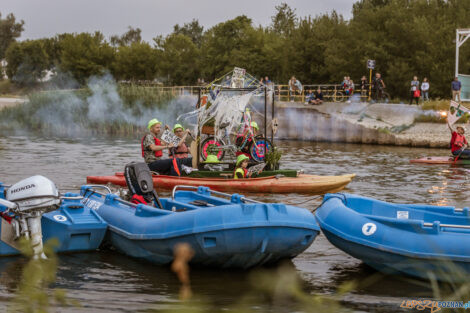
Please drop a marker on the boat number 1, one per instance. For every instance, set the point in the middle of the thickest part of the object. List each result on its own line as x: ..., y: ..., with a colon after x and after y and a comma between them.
x: 369, y: 228
x: 60, y: 218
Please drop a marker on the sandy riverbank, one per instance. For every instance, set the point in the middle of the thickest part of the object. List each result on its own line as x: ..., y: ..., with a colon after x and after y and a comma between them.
x: 379, y: 123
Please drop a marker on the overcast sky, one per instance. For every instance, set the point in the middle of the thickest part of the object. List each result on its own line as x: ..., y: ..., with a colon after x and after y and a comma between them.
x: 46, y: 18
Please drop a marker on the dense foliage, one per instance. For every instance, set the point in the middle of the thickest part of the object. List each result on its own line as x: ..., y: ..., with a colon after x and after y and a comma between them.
x: 405, y: 37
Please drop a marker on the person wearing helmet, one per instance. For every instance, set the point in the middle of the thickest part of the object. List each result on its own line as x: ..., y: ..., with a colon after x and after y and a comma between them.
x: 458, y: 142
x: 151, y: 146
x: 181, y: 151
x: 243, y: 140
x: 241, y: 166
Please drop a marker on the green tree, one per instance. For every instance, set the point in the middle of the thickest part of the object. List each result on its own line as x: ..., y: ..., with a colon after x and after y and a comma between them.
x: 179, y: 59
x: 9, y: 31
x: 27, y: 62
x: 85, y: 54
x: 232, y: 43
x: 285, y: 20
x: 136, y: 62
x: 192, y: 30
x: 133, y: 35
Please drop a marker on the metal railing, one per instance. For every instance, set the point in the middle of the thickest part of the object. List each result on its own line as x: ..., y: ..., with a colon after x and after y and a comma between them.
x: 331, y: 92
x: 212, y: 192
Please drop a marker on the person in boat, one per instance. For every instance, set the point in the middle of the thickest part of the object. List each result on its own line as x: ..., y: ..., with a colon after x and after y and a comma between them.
x: 241, y: 168
x: 244, y: 140
x: 152, y: 147
x: 181, y: 150
x: 458, y: 142
x: 152, y: 150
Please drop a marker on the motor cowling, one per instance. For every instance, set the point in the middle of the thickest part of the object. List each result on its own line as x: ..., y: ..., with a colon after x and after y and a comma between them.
x: 139, y: 179
x: 36, y: 193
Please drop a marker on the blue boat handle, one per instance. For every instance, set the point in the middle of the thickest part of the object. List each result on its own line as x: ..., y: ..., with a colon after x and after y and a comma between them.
x: 183, y: 187
x: 101, y: 186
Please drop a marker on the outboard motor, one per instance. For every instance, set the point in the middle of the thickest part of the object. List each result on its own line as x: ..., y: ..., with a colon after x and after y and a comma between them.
x: 28, y: 200
x: 139, y: 181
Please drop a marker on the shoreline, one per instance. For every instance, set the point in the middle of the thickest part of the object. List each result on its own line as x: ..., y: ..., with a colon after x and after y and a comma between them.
x: 377, y: 123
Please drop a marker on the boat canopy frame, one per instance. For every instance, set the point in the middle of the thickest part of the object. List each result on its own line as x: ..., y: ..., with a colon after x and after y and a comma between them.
x: 462, y: 36
x: 265, y: 90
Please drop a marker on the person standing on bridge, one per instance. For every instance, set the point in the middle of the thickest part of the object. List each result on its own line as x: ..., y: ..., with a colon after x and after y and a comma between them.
x: 414, y: 91
x: 456, y: 87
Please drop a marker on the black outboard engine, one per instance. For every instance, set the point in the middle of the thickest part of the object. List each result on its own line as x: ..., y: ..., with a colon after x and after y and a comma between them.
x: 139, y: 181
x: 27, y: 201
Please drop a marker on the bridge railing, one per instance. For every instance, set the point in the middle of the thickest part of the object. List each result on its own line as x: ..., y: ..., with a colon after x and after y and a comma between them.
x: 331, y: 92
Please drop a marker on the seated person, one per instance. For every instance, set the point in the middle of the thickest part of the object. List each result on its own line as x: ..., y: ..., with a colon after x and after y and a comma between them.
x: 241, y: 166
x: 458, y: 142
x: 318, y: 96
x: 244, y: 140
x: 310, y: 97
x: 152, y: 147
x: 182, y: 150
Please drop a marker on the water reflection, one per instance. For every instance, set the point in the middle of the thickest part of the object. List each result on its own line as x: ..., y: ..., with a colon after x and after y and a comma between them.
x: 110, y: 282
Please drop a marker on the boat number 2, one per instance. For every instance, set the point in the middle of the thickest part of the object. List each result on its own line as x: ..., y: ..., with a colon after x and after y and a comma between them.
x: 369, y: 228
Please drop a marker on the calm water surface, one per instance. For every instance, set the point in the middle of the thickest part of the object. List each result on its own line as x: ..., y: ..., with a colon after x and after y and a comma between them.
x: 106, y: 281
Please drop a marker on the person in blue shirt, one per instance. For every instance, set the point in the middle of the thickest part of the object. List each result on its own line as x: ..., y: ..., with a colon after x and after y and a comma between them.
x: 456, y: 87
x: 310, y: 97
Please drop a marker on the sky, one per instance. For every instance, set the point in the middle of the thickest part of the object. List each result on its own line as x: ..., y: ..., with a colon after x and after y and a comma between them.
x: 46, y: 18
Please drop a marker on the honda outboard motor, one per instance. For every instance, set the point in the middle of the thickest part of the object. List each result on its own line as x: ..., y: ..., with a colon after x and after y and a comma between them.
x: 28, y: 200
x: 139, y: 181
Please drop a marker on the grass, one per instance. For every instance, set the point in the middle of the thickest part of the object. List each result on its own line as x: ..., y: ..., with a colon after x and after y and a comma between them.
x: 436, y: 105
x: 64, y: 113
x: 435, y: 118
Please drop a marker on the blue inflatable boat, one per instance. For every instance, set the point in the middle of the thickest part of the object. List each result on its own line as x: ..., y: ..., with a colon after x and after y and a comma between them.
x: 419, y: 240
x: 233, y: 232
x: 75, y: 226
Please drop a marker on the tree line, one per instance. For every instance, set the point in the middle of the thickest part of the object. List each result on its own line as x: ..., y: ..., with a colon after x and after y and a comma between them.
x: 405, y: 37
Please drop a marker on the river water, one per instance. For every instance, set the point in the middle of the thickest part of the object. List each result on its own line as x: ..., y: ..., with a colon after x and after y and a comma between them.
x: 106, y: 281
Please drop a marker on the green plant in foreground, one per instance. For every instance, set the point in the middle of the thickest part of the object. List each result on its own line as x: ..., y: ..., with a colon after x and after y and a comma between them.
x: 34, y: 294
x: 273, y: 157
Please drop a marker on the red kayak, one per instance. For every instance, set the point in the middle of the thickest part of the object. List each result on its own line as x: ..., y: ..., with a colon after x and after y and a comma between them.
x: 311, y: 184
x: 440, y: 160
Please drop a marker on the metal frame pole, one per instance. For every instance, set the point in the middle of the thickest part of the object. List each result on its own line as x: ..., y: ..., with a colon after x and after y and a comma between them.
x: 457, y: 46
x: 272, y: 117
x: 265, y: 119
x: 198, y: 135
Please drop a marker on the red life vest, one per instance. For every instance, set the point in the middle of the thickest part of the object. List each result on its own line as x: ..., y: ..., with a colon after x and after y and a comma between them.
x: 157, y: 143
x: 457, y: 141
x: 181, y: 151
x: 138, y: 199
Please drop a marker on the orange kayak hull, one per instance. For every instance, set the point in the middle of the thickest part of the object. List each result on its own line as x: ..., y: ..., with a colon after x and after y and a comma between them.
x: 309, y: 184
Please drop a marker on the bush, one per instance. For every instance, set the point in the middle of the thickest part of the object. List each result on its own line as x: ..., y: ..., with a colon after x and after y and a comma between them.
x: 436, y: 118
x: 5, y: 87
x: 436, y: 105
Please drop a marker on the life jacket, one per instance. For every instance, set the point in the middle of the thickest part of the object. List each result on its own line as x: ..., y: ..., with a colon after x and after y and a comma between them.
x: 457, y: 141
x: 240, y: 170
x: 158, y: 154
x: 138, y: 199
x: 181, y: 152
